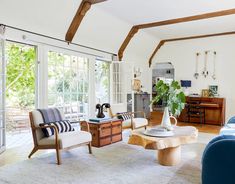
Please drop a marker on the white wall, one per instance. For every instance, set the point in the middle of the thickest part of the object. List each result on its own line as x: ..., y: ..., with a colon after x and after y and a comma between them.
x: 98, y: 30
x: 182, y: 54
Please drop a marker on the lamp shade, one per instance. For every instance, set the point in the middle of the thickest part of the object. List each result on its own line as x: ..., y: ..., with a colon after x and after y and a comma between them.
x: 185, y: 83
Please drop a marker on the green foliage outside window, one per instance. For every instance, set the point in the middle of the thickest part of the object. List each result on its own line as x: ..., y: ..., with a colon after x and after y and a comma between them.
x: 69, y: 83
x: 20, y: 83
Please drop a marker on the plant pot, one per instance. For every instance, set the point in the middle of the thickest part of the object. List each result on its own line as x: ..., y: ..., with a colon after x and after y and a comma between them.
x: 166, y: 122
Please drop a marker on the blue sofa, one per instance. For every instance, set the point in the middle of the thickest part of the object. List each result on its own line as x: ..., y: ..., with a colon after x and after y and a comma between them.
x: 231, y: 120
x: 218, y: 161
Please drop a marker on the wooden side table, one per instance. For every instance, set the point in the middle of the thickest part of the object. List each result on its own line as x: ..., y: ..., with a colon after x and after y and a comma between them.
x: 104, y: 133
x: 169, y: 148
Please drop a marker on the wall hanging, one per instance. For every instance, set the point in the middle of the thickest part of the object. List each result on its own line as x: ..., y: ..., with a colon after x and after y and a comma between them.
x: 205, y: 72
x: 214, y: 65
x: 196, y: 74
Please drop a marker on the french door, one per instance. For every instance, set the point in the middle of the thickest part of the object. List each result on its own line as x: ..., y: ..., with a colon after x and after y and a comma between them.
x: 2, y: 97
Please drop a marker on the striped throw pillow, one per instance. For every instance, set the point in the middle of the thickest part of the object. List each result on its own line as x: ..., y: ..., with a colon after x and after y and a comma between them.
x: 62, y: 126
x: 124, y: 116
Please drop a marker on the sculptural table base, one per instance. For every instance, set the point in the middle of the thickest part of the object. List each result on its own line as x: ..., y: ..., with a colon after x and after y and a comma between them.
x: 169, y: 156
x: 169, y: 148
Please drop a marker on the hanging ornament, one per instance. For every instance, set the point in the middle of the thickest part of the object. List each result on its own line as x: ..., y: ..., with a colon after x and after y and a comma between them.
x: 205, y: 72
x: 196, y: 74
x: 214, y: 63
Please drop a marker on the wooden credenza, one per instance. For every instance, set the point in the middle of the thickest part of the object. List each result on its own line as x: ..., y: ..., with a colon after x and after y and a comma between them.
x: 214, y: 110
x: 104, y: 133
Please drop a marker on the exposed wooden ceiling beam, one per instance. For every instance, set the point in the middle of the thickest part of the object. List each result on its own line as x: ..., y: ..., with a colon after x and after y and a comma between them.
x: 169, y: 22
x: 188, y: 19
x: 131, y: 33
x: 81, y: 12
x: 161, y: 43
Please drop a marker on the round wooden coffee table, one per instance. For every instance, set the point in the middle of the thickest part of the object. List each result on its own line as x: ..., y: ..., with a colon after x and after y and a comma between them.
x: 169, y: 148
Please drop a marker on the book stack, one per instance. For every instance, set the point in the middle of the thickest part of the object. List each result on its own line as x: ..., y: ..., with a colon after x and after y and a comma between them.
x: 100, y: 120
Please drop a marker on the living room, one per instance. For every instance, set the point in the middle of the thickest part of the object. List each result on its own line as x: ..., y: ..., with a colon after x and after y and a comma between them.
x: 87, y: 59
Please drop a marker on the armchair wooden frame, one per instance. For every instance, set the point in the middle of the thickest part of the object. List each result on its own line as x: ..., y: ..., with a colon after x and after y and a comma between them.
x: 56, y: 146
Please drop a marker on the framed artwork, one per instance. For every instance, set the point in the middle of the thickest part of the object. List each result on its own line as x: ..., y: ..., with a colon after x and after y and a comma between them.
x: 136, y: 85
x: 205, y: 93
x: 213, y: 90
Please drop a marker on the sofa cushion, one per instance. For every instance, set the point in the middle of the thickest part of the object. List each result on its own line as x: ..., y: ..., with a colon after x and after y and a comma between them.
x: 140, y: 122
x: 62, y: 126
x: 216, y: 139
x: 67, y: 139
x: 124, y: 116
x: 137, y: 122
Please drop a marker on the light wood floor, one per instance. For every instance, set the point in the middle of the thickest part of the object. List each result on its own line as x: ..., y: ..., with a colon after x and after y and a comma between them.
x: 20, y: 145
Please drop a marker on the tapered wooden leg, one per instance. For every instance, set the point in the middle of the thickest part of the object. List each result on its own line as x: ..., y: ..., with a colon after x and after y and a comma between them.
x: 58, y: 156
x: 32, y: 152
x: 89, y: 147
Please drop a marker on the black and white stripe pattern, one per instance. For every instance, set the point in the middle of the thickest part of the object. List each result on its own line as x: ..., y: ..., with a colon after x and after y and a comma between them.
x: 62, y: 126
x: 124, y: 116
x: 50, y: 115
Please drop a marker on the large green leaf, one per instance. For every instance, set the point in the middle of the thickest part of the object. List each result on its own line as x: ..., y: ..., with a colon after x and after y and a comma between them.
x: 172, y: 94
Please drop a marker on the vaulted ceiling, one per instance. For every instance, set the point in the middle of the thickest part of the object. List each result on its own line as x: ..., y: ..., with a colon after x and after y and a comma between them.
x: 145, y: 11
x: 53, y: 16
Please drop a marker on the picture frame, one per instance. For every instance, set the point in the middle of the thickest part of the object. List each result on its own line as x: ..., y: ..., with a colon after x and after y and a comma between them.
x: 205, y: 93
x: 136, y: 85
x: 213, y: 90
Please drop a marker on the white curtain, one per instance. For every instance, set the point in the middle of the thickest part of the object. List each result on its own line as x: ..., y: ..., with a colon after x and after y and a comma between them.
x: 2, y: 90
x: 117, y: 83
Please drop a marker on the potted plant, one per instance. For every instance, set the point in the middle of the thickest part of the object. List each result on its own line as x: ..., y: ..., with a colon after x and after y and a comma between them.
x: 173, y: 99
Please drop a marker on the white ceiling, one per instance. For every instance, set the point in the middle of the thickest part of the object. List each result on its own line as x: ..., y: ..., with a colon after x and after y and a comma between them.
x: 145, y: 11
x: 53, y: 17
x: 195, y: 28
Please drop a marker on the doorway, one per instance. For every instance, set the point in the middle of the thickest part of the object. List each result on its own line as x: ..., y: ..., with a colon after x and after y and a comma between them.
x: 20, y: 89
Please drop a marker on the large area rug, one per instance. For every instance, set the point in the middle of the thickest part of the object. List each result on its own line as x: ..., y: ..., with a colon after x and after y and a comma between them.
x: 118, y: 163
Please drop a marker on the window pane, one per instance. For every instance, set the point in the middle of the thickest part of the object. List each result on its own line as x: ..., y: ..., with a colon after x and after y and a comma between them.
x: 102, y: 81
x: 68, y: 84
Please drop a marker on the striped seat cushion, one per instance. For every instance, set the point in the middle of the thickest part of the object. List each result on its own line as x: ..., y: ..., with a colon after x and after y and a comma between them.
x: 124, y: 116
x: 62, y: 126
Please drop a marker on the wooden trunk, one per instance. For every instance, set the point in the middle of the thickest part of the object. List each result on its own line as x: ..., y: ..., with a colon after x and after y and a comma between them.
x: 104, y: 133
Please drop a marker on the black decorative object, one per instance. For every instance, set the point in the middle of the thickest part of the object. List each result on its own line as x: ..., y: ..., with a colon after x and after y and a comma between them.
x: 101, y: 109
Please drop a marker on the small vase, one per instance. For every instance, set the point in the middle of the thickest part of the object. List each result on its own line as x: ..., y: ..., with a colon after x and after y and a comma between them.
x: 166, y: 122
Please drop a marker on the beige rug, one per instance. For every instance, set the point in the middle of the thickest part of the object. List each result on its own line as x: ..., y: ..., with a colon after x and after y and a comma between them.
x: 118, y: 163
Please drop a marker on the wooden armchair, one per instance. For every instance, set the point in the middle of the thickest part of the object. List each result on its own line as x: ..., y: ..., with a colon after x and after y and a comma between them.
x: 58, y: 141
x: 134, y: 122
x: 129, y: 120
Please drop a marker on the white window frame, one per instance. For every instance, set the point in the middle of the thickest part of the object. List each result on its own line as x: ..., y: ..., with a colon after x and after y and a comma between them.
x: 110, y: 74
x: 116, y: 83
x: 91, y: 69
